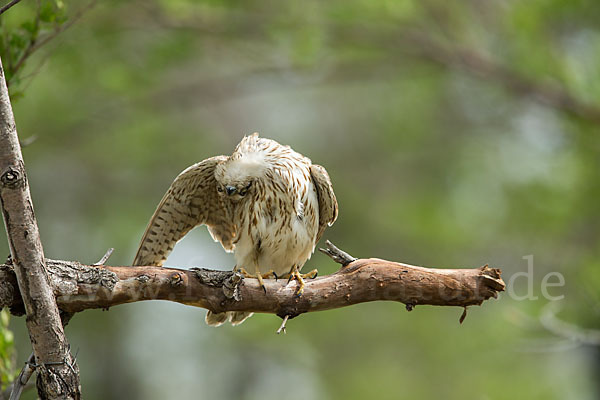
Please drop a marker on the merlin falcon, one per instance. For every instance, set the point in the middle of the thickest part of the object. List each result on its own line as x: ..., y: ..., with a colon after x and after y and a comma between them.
x: 266, y: 203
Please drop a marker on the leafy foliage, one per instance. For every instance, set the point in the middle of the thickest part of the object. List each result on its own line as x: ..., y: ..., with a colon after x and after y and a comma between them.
x: 29, y: 24
x: 7, y: 351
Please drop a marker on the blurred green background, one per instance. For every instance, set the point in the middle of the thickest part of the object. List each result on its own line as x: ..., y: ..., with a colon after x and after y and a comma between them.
x: 456, y: 133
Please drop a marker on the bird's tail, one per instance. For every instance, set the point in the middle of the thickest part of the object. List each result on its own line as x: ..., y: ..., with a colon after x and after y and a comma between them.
x: 235, y: 317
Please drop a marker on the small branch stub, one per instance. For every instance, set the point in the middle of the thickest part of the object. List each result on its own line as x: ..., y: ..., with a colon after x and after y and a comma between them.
x: 12, y: 178
x: 337, y: 255
x: 283, y: 323
x: 105, y: 257
x: 463, y: 316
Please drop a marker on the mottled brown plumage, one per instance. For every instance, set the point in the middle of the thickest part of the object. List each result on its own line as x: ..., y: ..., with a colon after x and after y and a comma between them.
x: 266, y: 203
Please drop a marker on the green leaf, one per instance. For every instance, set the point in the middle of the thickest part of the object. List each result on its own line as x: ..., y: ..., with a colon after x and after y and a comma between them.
x: 31, y: 27
x: 7, y: 351
x: 48, y: 12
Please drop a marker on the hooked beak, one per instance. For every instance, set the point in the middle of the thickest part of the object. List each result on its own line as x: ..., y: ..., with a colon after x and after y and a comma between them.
x: 230, y: 190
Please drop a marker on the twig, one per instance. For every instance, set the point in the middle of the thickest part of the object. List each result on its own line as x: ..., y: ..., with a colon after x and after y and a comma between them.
x: 8, y: 390
x: 282, y: 327
x: 339, y: 256
x: 479, y: 65
x: 422, y: 43
x: 105, y: 257
x: 28, y: 141
x: 21, y: 383
x: 566, y: 330
x: 37, y: 43
x: 23, y: 378
x: 463, y: 316
x: 9, y: 5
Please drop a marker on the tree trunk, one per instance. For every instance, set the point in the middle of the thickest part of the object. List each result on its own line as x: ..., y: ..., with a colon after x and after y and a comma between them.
x: 58, y: 375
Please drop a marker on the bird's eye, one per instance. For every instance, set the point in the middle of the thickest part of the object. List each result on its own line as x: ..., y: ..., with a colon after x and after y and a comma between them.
x: 245, y: 190
x: 219, y: 189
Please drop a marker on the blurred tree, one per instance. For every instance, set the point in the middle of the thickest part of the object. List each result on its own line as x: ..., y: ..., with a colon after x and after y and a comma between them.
x: 480, y: 120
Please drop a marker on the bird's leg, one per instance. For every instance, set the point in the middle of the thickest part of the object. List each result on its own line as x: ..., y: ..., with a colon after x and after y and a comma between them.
x: 295, y: 274
x: 267, y: 275
x: 257, y: 269
x: 258, y: 275
x: 290, y: 275
x: 260, y: 280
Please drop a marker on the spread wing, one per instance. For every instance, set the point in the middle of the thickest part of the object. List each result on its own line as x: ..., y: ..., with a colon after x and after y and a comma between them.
x: 328, y: 207
x: 191, y: 200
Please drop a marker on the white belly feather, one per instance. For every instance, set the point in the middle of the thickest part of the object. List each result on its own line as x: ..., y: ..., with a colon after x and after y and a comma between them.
x: 285, y: 240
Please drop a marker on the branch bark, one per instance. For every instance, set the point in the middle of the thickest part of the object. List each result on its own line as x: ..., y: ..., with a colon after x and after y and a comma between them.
x: 79, y: 287
x: 58, y: 376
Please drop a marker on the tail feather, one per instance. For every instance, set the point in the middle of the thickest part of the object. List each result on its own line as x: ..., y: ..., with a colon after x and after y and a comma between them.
x: 237, y: 317
x: 218, y: 319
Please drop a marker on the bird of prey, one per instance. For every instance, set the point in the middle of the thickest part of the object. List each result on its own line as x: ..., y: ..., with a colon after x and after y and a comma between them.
x: 266, y: 203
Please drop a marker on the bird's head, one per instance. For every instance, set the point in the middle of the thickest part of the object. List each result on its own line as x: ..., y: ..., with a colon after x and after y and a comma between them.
x: 237, y: 176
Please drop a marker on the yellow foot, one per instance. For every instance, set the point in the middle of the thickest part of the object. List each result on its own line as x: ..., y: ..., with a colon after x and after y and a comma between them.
x: 258, y: 275
x: 295, y: 274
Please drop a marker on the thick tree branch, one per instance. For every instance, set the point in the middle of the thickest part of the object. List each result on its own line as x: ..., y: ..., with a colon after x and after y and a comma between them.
x: 79, y: 287
x: 58, y: 377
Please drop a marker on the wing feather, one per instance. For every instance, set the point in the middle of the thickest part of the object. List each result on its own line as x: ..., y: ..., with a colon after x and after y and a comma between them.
x: 328, y: 207
x: 191, y: 200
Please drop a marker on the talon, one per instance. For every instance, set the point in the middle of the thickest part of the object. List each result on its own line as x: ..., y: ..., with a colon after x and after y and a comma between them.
x: 276, y: 277
x: 244, y: 273
x: 311, y: 275
x: 300, y: 290
x: 295, y: 274
x: 262, y: 283
x: 258, y: 276
x: 269, y: 275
